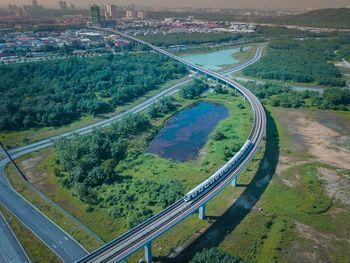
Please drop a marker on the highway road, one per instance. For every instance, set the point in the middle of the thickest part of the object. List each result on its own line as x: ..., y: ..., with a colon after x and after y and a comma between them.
x: 51, y: 234
x: 127, y: 244
x: 10, y: 248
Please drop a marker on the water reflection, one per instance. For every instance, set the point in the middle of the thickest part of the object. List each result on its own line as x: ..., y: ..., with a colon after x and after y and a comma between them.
x: 187, y: 132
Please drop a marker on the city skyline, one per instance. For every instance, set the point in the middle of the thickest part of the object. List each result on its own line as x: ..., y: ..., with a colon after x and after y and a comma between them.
x: 261, y: 4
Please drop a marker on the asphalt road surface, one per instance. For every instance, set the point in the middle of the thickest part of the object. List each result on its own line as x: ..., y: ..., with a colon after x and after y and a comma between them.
x: 10, y: 248
x: 51, y: 234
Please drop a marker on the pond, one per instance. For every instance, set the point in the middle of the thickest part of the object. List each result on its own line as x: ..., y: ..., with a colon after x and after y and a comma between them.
x: 214, y: 60
x: 187, y: 132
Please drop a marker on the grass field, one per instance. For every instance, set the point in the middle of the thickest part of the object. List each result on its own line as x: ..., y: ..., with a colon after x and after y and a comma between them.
x: 36, y: 250
x: 39, y: 168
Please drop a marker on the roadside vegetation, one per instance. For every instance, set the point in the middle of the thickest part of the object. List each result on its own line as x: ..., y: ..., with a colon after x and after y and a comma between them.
x: 35, y: 249
x: 302, y: 60
x: 277, y: 95
x: 56, y: 93
x: 215, y: 255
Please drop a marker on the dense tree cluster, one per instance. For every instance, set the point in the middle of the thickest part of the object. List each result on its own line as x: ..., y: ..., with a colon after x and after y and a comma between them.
x: 194, y: 89
x: 135, y: 198
x: 59, y: 92
x: 88, y: 161
x: 276, y: 95
x: 331, y: 17
x: 190, y: 38
x: 162, y: 106
x: 220, y: 89
x: 299, y: 61
x: 214, y: 255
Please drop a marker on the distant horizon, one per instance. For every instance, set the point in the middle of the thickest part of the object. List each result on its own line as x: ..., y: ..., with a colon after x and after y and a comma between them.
x: 229, y: 4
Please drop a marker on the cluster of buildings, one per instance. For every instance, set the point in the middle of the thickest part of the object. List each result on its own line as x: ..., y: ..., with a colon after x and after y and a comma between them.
x: 35, y: 8
x: 64, y: 6
x: 43, y: 44
x: 113, y: 13
x: 182, y: 25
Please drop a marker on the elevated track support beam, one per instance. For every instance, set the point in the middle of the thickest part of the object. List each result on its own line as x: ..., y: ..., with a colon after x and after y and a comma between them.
x: 148, y: 252
x: 234, y: 182
x: 202, y: 212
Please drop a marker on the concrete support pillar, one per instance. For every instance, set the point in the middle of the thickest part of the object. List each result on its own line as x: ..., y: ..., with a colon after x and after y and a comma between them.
x: 202, y: 212
x: 234, y: 181
x: 148, y: 252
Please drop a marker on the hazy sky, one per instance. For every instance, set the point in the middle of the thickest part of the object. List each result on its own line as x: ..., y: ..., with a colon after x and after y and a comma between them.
x: 201, y: 3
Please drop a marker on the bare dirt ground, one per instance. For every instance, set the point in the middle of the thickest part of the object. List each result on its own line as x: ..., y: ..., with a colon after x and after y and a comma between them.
x: 326, y: 141
x: 336, y: 185
x: 35, y: 177
x: 316, y: 246
x: 318, y: 138
x: 27, y: 167
x: 323, y: 137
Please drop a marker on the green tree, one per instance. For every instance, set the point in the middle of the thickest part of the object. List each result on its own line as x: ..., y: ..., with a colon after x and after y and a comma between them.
x: 214, y: 255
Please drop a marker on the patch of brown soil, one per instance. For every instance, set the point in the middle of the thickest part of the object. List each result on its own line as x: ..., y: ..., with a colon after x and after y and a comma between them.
x: 318, y: 139
x: 28, y: 167
x: 324, y: 240
x: 335, y: 211
x: 336, y: 186
x: 284, y: 163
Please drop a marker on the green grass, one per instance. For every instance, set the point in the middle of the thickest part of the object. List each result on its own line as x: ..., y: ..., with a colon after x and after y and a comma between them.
x: 12, y: 139
x: 36, y: 250
x: 246, y: 54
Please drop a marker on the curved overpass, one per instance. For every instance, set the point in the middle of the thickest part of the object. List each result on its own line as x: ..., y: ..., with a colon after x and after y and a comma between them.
x: 143, y: 234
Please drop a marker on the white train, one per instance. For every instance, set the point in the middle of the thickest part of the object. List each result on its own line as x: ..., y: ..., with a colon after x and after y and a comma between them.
x: 219, y: 175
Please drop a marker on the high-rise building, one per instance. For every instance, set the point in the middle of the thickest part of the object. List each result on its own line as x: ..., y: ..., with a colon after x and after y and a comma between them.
x: 111, y: 12
x: 35, y: 3
x: 141, y: 15
x: 130, y: 13
x: 63, y: 4
x: 95, y: 14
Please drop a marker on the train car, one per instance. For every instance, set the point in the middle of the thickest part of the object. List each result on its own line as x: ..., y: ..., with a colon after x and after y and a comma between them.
x: 218, y: 175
